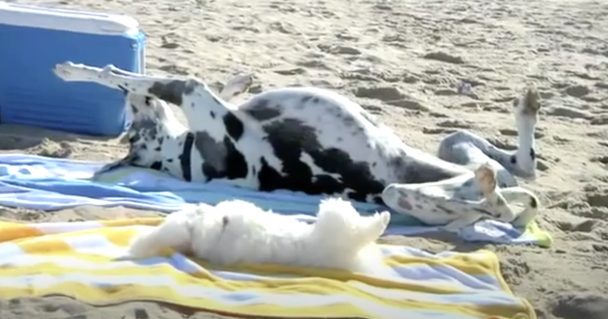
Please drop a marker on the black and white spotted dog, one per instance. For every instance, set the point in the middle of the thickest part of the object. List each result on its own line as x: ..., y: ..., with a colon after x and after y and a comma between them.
x: 319, y: 142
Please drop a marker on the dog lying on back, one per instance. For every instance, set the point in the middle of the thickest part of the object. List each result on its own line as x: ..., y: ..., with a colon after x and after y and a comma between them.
x: 317, y: 141
x: 237, y: 232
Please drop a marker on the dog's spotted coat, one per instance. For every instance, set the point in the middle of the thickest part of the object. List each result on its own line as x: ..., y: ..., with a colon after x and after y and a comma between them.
x: 319, y: 142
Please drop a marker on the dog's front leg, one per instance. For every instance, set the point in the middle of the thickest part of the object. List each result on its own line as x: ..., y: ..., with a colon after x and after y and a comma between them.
x: 168, y: 89
x: 175, y: 232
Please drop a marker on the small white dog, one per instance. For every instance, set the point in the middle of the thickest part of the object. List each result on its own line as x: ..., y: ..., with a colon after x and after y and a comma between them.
x: 237, y: 231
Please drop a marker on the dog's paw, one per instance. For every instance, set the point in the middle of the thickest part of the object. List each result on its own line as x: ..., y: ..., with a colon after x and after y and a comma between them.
x: 486, y: 177
x: 385, y: 218
x: 64, y: 70
x: 376, y: 226
x: 141, y: 246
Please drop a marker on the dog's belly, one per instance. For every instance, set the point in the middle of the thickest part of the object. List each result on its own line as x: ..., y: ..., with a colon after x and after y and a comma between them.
x: 319, y: 142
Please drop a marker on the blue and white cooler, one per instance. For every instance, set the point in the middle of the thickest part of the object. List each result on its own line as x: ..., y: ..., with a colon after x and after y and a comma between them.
x: 34, y: 39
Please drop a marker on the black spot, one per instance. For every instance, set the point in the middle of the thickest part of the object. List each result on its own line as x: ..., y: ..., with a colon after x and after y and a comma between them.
x: 134, y: 109
x: 146, y: 128
x: 269, y: 178
x: 290, y: 138
x: 419, y: 172
x: 134, y: 138
x: 360, y: 197
x: 158, y: 148
x: 446, y: 210
x: 161, y: 140
x: 221, y: 159
x: 236, y: 164
x: 315, y: 100
x: 328, y: 184
x: 123, y: 89
x: 184, y: 157
x: 513, y: 159
x: 212, y: 114
x: 306, y: 98
x: 158, y: 165
x: 533, y: 202
x: 501, y: 202
x: 532, y: 153
x: 144, y: 147
x: 147, y: 100
x: 225, y: 221
x: 192, y: 105
x: 234, y: 126
x: 378, y: 200
x: 348, y: 121
x: 261, y: 111
x: 172, y: 91
x: 483, y: 212
x: 170, y: 160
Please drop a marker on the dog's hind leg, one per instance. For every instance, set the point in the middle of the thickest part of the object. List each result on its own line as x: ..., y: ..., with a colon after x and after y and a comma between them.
x: 464, y: 147
x: 456, y: 202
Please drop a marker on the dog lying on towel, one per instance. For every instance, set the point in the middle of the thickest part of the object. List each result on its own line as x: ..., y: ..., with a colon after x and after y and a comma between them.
x: 236, y: 231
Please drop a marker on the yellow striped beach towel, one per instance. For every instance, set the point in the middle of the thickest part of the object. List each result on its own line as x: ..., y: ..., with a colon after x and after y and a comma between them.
x: 82, y: 260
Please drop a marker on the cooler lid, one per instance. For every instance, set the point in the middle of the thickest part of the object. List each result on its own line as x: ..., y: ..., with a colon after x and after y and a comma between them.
x: 67, y: 20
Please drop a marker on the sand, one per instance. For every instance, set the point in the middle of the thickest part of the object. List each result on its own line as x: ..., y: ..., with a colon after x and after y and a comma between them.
x: 402, y: 60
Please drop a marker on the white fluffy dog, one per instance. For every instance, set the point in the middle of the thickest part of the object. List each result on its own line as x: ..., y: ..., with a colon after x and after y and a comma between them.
x: 236, y: 231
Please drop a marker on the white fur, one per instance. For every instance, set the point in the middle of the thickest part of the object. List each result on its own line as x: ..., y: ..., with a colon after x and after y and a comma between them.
x: 236, y: 231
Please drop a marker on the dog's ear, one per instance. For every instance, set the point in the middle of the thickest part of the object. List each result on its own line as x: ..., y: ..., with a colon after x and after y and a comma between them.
x: 113, y: 165
x: 124, y: 139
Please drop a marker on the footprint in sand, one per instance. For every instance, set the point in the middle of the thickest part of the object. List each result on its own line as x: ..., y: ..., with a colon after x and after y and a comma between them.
x: 586, y: 226
x: 599, y: 119
x: 390, y: 95
x: 538, y: 133
x: 514, y: 269
x: 16, y: 142
x: 443, y: 57
x: 596, y: 196
x: 437, y: 130
x: 581, y: 305
x: 456, y: 124
x: 569, y: 112
x: 577, y: 90
x: 339, y: 49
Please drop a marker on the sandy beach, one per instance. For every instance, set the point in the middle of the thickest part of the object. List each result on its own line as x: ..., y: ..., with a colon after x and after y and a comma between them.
x: 402, y: 60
